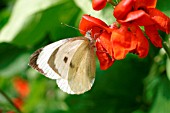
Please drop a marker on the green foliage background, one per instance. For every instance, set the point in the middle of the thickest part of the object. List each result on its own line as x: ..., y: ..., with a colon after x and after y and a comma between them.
x: 131, y: 85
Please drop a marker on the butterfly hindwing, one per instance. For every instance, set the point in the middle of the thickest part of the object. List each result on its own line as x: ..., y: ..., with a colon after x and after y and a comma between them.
x: 81, y: 69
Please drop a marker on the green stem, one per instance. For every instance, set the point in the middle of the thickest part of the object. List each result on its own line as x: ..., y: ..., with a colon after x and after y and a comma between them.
x: 111, y: 2
x: 10, y: 101
x: 167, y: 48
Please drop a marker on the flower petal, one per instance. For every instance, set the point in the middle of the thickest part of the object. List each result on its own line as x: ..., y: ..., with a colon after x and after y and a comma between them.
x: 98, y: 4
x: 21, y: 86
x: 123, y: 42
x: 138, y: 17
x: 152, y: 33
x: 106, y: 43
x: 88, y: 23
x: 142, y: 47
x: 150, y: 3
x: 18, y: 102
x: 104, y: 58
x: 142, y: 4
x: 123, y: 8
x: 161, y: 19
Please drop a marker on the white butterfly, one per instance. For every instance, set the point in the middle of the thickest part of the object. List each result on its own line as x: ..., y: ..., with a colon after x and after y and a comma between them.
x: 70, y: 61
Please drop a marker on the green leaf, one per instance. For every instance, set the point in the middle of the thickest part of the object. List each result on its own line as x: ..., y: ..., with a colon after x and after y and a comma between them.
x: 27, y: 25
x: 163, y: 6
x: 105, y: 14
x: 70, y: 15
x: 162, y: 100
x: 168, y: 68
x: 44, y: 96
x: 116, y: 90
x: 13, y: 60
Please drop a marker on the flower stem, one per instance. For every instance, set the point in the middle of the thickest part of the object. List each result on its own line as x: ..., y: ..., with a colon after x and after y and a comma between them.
x: 167, y: 48
x: 10, y: 101
x: 111, y: 2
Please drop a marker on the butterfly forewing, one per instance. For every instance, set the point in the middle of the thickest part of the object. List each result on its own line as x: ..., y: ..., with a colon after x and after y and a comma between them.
x: 39, y: 59
x: 62, y: 57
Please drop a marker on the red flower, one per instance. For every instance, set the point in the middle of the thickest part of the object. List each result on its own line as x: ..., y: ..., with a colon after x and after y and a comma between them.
x: 143, y: 13
x: 142, y: 47
x: 104, y: 51
x: 123, y: 42
x: 151, y: 32
x: 98, y: 4
x: 18, y: 102
x: 95, y: 25
x: 162, y: 21
x: 21, y: 86
x: 114, y: 43
x: 10, y: 112
x: 126, y: 40
x: 101, y: 32
x: 123, y: 8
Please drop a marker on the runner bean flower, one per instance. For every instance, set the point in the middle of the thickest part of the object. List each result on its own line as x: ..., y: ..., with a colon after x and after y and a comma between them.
x: 143, y: 13
x: 115, y: 41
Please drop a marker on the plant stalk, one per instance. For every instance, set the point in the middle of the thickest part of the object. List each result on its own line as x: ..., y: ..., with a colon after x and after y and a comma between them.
x: 9, y: 100
x: 166, y: 46
x: 111, y: 2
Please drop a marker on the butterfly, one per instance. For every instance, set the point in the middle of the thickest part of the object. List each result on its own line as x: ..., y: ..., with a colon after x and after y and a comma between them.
x: 71, y: 62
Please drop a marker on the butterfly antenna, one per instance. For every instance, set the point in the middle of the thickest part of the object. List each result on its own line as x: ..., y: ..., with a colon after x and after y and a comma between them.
x: 72, y: 27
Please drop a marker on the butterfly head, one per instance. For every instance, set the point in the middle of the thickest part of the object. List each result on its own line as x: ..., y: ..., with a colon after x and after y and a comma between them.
x: 90, y: 38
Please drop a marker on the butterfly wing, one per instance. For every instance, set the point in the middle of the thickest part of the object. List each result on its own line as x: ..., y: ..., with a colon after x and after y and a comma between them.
x: 70, y: 61
x: 39, y: 60
x: 80, y: 73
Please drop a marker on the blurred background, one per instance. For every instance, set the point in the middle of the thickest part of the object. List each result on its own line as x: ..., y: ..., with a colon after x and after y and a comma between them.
x: 132, y: 85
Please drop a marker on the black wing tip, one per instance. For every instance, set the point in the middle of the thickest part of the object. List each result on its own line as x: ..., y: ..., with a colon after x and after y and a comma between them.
x: 33, y: 60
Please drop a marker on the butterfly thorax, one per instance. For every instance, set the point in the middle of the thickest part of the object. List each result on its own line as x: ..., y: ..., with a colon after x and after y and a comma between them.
x: 91, y: 40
